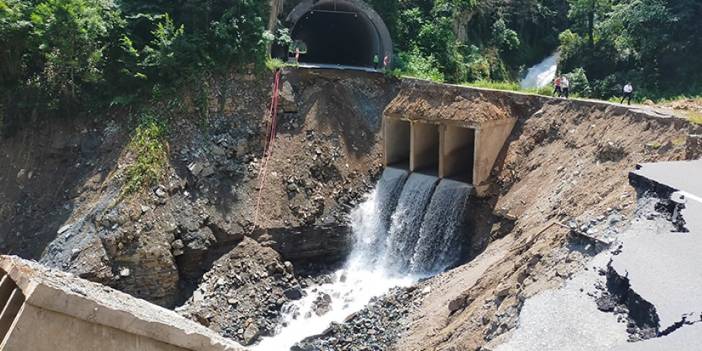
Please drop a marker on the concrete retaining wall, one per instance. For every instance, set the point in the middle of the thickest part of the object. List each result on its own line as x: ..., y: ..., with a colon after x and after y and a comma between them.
x: 47, y: 310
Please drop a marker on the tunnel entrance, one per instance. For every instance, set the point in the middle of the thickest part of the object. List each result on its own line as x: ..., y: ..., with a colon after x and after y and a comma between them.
x: 341, y: 33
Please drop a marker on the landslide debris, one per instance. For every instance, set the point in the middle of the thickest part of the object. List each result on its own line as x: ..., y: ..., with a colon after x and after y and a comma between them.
x: 61, y: 184
x: 241, y: 296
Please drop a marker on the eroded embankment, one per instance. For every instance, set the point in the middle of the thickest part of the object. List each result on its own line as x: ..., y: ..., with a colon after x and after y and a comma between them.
x: 563, y: 171
x: 61, y: 191
x: 565, y: 161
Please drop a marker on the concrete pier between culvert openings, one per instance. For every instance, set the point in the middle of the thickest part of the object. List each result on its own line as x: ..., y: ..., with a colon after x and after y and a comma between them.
x: 48, y: 310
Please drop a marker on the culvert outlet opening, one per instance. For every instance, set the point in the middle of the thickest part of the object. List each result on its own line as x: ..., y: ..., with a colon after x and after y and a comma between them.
x: 457, y: 153
x: 397, y: 143
x: 342, y: 32
x: 424, y: 154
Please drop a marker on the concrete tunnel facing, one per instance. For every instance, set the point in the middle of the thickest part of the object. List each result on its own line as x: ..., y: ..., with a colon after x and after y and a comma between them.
x: 340, y: 32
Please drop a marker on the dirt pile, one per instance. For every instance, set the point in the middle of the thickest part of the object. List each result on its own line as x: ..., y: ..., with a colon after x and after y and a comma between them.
x: 241, y: 295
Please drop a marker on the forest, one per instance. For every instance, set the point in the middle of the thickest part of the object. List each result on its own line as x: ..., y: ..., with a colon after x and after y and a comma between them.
x: 68, y: 55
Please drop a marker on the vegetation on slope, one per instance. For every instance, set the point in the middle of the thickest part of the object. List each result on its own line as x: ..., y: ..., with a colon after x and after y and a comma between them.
x: 67, y: 56
x: 150, y: 151
x: 77, y: 55
x: 603, y: 43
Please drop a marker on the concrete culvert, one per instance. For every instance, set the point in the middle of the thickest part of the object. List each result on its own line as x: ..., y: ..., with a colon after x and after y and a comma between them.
x: 341, y: 32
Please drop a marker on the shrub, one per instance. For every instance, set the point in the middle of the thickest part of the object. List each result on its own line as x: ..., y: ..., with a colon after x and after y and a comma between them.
x: 149, y: 146
x: 579, y: 83
x: 70, y: 38
x: 416, y: 64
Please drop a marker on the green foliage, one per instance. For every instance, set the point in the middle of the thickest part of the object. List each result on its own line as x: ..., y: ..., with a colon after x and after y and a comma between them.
x: 416, y: 64
x: 505, y: 38
x: 273, y: 64
x: 652, y: 43
x: 579, y: 84
x: 149, y: 147
x: 70, y: 55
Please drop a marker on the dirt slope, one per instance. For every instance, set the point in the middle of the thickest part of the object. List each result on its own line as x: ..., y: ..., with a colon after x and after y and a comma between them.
x: 62, y: 179
x: 566, y: 165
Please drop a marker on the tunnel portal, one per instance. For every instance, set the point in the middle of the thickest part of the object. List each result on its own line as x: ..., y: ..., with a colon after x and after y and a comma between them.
x: 340, y: 32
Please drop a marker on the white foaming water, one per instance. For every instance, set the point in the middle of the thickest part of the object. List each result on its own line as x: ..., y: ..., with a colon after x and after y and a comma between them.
x: 352, y: 289
x: 542, y: 74
x: 395, y: 208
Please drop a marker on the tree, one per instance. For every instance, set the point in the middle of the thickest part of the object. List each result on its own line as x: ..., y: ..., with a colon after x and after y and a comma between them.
x: 14, y: 29
x: 585, y: 13
x: 70, y: 37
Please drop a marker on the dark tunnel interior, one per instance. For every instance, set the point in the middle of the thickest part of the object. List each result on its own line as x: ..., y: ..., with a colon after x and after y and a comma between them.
x: 341, y: 36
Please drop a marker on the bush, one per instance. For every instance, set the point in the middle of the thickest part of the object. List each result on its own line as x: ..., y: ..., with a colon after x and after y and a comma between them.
x: 70, y: 37
x: 417, y: 65
x: 579, y: 83
x: 149, y: 146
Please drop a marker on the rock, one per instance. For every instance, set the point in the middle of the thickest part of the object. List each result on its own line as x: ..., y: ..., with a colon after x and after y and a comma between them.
x: 287, y: 98
x: 64, y: 229
x: 218, y: 150
x: 322, y: 304
x: 457, y: 304
x: 195, y: 168
x: 161, y: 192
x: 251, y: 334
x: 124, y: 272
x: 294, y: 293
x: 207, y: 171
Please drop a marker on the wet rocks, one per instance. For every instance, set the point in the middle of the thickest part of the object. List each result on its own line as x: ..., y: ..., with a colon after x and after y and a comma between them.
x: 376, y: 327
x: 322, y: 304
x: 242, y: 295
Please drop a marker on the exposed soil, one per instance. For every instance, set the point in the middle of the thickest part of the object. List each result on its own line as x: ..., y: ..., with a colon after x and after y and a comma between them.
x: 559, y: 193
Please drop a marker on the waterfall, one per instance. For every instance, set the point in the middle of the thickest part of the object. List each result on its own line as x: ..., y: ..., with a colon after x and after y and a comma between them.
x: 371, y: 220
x: 407, y: 228
x: 542, y: 74
x: 440, y: 234
x: 407, y: 221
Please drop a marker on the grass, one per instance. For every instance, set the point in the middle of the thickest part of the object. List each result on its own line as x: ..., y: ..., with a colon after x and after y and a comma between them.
x: 510, y: 86
x: 695, y: 117
x: 273, y: 64
x: 149, y: 146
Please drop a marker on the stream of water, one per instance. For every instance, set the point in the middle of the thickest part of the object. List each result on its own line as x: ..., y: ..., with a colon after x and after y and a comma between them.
x: 408, y: 228
x: 542, y: 74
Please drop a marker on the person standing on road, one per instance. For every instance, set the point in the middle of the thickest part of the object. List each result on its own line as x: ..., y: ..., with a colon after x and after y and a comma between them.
x: 628, y: 91
x: 376, y: 61
x: 557, y: 86
x: 565, y: 87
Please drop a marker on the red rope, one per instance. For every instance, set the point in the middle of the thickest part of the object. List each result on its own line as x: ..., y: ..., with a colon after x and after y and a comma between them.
x: 269, y: 144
